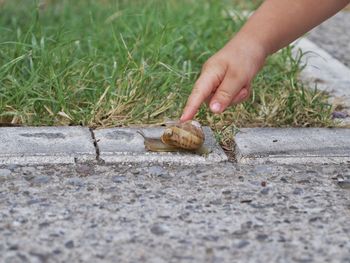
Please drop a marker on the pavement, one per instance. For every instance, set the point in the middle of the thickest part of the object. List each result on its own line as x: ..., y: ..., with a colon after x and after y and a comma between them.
x: 71, y: 194
x: 174, y: 213
x: 333, y: 36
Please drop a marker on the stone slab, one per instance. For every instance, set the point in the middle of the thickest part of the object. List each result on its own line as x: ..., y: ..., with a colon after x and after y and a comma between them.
x: 43, y: 145
x: 125, y: 145
x: 293, y: 145
x: 325, y: 72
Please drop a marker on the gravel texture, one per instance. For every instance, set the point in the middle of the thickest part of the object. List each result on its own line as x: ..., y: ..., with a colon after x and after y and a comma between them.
x: 333, y: 36
x: 223, y: 213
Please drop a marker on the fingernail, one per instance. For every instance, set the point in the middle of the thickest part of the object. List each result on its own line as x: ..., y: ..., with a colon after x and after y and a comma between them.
x: 244, y: 93
x: 216, y: 107
x: 182, y: 117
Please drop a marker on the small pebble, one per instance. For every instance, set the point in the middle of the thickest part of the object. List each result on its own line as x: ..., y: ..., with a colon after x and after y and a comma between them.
x: 339, y: 115
x: 13, y: 247
x: 226, y: 192
x: 33, y: 201
x: 69, y: 244
x: 159, y: 229
x: 118, y: 179
x: 28, y: 170
x: 304, y: 181
x: 261, y: 237
x: 211, y: 238
x: 298, y: 191
x: 57, y: 251
x: 40, y: 256
x: 243, y: 244
x: 284, y: 180
x: 135, y: 172
x: 216, y: 202
x: 265, y: 191
x: 44, y: 224
x: 75, y: 181
x: 28, y: 177
x: 41, y: 179
x: 156, y: 170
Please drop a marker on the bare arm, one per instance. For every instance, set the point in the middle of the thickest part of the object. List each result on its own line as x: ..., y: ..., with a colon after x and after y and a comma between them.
x: 279, y: 22
x: 226, y: 77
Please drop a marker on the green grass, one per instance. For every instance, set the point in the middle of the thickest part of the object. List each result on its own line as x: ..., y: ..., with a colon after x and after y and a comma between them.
x: 115, y: 63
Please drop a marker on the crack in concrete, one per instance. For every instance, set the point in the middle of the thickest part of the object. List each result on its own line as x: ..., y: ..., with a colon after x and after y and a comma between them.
x: 97, y: 149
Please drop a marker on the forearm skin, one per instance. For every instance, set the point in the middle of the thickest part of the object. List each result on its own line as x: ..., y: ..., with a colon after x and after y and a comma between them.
x: 277, y: 23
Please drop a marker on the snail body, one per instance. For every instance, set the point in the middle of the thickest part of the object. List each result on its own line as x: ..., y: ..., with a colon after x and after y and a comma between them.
x: 187, y: 136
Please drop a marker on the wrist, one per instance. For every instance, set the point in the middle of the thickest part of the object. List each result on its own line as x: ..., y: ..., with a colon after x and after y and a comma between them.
x: 249, y: 47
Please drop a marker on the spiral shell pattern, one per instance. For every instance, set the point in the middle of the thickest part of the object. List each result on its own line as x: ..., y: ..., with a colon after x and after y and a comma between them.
x: 188, y: 135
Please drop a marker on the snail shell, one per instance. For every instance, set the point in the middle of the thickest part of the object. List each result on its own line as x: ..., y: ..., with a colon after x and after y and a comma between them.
x: 188, y: 136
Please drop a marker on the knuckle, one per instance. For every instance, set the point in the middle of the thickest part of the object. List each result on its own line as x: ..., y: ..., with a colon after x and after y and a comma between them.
x: 207, y: 66
x: 243, y: 97
x: 224, y: 95
x: 211, y: 63
x: 238, y: 75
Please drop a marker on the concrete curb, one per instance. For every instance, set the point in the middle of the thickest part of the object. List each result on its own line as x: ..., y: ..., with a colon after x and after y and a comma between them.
x: 119, y: 145
x: 46, y: 145
x: 293, y: 145
x: 67, y: 145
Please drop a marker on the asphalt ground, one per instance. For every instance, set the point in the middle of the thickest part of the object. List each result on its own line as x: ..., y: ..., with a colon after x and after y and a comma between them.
x: 150, y: 213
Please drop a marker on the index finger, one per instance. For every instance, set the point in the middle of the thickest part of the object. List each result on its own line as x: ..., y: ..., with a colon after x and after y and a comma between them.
x: 204, y: 86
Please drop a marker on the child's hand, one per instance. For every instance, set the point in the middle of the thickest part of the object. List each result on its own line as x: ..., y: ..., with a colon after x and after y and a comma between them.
x: 225, y: 78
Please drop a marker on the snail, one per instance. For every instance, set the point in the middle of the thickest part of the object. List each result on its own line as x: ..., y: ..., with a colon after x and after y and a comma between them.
x: 187, y: 136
